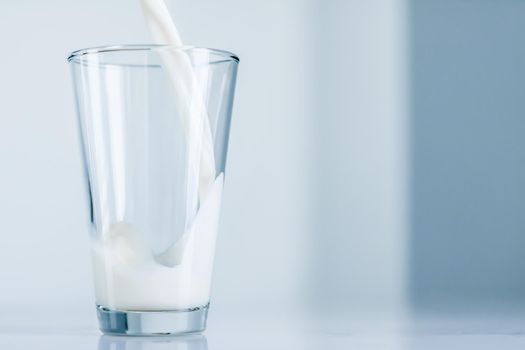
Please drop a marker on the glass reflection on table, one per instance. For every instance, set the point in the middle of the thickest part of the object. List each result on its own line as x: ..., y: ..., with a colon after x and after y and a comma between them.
x: 185, y: 342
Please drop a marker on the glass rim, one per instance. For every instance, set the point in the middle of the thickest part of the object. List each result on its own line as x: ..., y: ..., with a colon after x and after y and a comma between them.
x: 75, y: 55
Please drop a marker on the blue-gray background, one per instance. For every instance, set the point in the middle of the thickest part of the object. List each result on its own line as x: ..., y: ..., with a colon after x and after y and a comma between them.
x: 376, y: 160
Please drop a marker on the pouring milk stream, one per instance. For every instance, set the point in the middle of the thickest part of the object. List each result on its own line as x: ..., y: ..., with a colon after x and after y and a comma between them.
x: 128, y: 276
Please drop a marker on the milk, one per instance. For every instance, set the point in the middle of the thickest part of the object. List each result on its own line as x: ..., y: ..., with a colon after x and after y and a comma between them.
x: 128, y: 275
x: 186, y: 90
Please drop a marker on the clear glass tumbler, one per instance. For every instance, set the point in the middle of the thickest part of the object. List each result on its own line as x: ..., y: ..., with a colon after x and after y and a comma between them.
x: 154, y: 123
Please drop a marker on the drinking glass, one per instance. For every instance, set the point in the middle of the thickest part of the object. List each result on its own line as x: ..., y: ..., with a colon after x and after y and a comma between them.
x: 154, y: 124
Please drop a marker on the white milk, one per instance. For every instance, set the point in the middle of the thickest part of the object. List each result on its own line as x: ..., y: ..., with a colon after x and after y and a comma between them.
x: 128, y: 276
x: 186, y: 90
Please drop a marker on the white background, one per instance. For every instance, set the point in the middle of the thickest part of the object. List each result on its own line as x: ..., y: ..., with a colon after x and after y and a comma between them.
x: 376, y: 153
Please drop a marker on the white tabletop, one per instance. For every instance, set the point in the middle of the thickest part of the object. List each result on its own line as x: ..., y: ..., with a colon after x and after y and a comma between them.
x: 230, y: 333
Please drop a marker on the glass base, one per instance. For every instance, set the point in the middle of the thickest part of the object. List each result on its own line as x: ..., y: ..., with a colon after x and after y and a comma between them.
x: 144, y: 323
